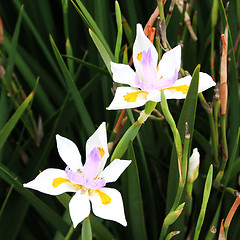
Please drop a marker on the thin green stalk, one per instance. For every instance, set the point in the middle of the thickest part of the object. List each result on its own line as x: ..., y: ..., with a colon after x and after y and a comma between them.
x: 206, y: 194
x: 131, y: 133
x: 171, y: 122
x: 170, y: 219
x: 212, y: 127
x: 182, y: 181
x: 69, y: 233
x: 162, y: 20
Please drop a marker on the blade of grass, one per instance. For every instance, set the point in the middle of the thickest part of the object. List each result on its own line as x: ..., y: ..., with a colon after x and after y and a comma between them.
x: 6, y: 130
x: 135, y: 198
x: 44, y: 210
x: 92, y: 25
x: 80, y: 106
x: 102, y: 50
x: 13, y: 48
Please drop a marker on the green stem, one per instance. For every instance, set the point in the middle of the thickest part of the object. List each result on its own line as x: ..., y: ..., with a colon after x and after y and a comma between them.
x: 132, y: 132
x: 212, y: 127
x: 206, y: 194
x: 69, y: 234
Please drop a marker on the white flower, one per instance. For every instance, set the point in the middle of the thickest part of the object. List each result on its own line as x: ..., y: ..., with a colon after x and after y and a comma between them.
x: 194, y: 162
x: 150, y: 76
x: 87, y: 181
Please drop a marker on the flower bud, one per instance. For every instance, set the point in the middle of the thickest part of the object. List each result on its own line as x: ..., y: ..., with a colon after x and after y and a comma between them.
x: 193, y: 165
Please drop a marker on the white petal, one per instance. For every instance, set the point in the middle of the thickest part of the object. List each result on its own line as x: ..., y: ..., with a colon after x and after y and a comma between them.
x: 154, y: 96
x: 194, y: 162
x: 119, y: 102
x: 123, y: 73
x: 112, y: 172
x: 111, y: 211
x: 174, y: 92
x: 169, y: 65
x: 205, y: 82
x: 69, y: 153
x: 44, y: 182
x: 99, y: 140
x: 79, y: 207
x: 142, y: 43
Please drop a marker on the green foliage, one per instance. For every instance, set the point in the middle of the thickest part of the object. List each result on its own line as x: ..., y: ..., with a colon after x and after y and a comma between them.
x: 62, y: 84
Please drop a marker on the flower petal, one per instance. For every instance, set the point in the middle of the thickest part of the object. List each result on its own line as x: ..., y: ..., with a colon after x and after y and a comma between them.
x: 79, y: 207
x: 69, y: 153
x: 99, y: 140
x: 111, y: 210
x: 127, y: 97
x: 205, y: 82
x: 142, y: 43
x: 112, y: 172
x: 169, y: 65
x: 154, y: 96
x: 180, y: 88
x: 52, y: 181
x: 123, y: 73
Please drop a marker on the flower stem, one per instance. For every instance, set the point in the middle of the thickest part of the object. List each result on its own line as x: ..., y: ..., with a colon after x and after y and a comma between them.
x: 208, y: 109
x: 69, y: 234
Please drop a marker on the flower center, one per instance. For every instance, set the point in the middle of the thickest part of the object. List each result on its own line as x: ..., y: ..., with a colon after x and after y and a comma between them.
x: 89, y: 176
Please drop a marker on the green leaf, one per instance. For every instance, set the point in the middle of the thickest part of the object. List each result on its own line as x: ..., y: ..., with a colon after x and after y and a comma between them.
x: 86, y: 230
x: 44, y: 210
x: 6, y: 130
x: 102, y: 50
x: 206, y: 194
x: 92, y: 25
x: 13, y: 48
x: 80, y: 106
x: 187, y: 115
x: 136, y: 213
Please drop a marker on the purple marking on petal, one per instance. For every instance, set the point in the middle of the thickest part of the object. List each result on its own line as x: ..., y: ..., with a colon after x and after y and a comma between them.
x: 150, y: 81
x: 95, y: 183
x: 92, y: 165
x: 149, y: 70
x: 74, y: 177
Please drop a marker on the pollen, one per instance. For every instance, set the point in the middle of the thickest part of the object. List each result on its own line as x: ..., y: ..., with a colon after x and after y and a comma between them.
x: 104, y: 197
x: 183, y: 88
x: 132, y: 97
x: 102, y: 152
x: 57, y: 181
x: 139, y: 56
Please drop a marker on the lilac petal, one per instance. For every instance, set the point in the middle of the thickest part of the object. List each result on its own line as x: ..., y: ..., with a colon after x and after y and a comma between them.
x: 149, y: 70
x: 92, y: 165
x: 95, y: 183
x: 74, y: 177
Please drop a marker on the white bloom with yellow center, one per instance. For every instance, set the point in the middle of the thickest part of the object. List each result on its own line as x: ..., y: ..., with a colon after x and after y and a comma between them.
x: 150, y: 76
x: 87, y: 181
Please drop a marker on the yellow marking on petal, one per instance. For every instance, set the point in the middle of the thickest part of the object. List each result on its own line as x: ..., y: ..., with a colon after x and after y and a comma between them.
x: 139, y: 56
x: 102, y: 152
x: 57, y: 181
x: 104, y: 197
x: 183, y: 88
x: 132, y: 97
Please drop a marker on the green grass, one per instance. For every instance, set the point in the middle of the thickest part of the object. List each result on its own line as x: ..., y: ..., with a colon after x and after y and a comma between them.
x: 56, y: 58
